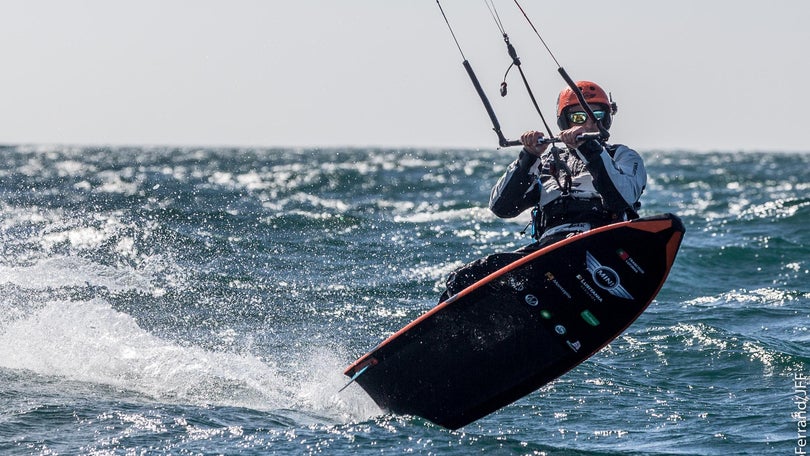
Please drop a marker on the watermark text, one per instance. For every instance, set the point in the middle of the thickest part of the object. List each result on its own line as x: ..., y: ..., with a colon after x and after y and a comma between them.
x: 800, y: 400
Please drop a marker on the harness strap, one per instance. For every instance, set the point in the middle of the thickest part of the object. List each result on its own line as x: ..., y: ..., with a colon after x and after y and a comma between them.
x: 568, y: 210
x: 560, y: 165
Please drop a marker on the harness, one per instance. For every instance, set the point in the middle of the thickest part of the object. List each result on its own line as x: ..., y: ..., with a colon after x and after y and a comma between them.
x: 568, y: 213
x: 568, y: 210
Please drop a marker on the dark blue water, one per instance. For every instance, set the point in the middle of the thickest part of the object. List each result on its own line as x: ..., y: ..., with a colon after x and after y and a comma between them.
x: 206, y: 301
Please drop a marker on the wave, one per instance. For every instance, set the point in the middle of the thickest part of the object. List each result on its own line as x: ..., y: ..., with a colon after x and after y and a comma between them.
x: 89, y: 341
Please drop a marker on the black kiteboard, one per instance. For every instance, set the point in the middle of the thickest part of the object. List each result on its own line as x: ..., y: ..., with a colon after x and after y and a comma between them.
x: 522, y: 326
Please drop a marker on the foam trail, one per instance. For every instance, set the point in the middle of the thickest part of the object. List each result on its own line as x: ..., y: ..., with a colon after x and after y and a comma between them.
x: 89, y: 341
x: 67, y: 271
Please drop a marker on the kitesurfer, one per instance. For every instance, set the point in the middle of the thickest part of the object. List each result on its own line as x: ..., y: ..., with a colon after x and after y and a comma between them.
x: 572, y: 189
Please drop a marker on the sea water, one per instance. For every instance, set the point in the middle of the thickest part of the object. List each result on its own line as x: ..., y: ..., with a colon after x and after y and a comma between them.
x: 206, y: 301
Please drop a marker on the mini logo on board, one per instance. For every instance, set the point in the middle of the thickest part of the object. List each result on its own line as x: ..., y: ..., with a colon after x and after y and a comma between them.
x: 605, y: 277
x: 532, y: 300
x: 560, y: 329
x: 575, y: 345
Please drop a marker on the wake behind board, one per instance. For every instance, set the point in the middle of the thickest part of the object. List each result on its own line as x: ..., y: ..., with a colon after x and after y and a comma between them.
x: 522, y: 326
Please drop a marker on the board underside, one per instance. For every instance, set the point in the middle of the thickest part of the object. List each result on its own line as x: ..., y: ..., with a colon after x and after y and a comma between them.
x: 522, y: 326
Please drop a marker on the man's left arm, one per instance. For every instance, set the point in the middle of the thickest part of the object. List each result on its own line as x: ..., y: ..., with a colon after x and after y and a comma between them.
x: 619, y: 179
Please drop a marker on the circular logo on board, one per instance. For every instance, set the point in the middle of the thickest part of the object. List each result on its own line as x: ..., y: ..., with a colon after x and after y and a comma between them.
x: 532, y: 300
x: 560, y: 329
x: 606, y: 278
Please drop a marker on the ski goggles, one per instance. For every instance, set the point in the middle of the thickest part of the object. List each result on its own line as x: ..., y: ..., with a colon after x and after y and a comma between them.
x: 580, y: 117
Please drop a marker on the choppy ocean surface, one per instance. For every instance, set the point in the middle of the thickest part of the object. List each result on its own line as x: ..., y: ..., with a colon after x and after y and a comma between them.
x: 206, y: 301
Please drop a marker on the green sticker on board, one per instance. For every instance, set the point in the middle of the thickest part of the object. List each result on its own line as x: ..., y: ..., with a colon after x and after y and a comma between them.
x: 589, y: 318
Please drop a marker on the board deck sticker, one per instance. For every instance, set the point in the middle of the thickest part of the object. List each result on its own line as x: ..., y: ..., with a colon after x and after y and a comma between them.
x: 522, y: 326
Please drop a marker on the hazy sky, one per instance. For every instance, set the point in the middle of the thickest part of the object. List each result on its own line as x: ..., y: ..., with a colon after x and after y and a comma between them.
x: 688, y: 74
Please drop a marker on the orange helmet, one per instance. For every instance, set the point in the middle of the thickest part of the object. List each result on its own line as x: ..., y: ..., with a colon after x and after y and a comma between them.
x: 593, y: 95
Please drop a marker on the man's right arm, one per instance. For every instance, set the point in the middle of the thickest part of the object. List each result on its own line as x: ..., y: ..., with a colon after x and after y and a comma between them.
x: 517, y: 189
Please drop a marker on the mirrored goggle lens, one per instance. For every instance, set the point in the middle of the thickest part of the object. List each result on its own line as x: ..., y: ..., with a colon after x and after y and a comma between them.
x: 579, y: 117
